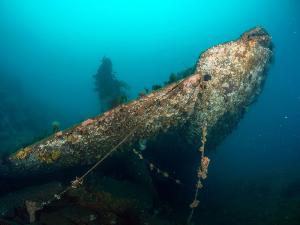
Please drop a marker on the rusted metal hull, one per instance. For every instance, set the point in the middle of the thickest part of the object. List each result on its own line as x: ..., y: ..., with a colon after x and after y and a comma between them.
x: 89, y: 141
x: 227, y: 79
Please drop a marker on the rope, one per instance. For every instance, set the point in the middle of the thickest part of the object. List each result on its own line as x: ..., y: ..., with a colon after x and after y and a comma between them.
x: 153, y: 167
x: 201, y: 175
x: 79, y: 180
x: 203, y: 167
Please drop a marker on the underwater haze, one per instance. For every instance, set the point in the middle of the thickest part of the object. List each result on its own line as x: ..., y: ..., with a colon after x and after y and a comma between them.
x: 50, y: 52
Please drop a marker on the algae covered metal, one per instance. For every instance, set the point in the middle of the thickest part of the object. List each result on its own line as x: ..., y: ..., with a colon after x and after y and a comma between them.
x: 227, y: 79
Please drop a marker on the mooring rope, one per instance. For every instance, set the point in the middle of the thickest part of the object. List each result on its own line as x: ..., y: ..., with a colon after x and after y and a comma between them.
x: 79, y: 180
x: 201, y: 175
x: 155, y: 168
x: 203, y: 166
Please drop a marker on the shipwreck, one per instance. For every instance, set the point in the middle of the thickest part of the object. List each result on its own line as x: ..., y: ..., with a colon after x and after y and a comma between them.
x: 204, y: 107
x: 227, y: 80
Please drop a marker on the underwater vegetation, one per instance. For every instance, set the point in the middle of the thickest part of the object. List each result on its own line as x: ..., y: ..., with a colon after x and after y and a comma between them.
x: 111, y: 91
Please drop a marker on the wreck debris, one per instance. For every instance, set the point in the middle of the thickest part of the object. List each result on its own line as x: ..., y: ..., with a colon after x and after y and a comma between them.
x: 32, y: 207
x: 37, y: 193
x: 111, y: 91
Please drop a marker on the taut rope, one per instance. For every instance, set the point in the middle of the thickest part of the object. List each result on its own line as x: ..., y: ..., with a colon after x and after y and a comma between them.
x: 79, y: 180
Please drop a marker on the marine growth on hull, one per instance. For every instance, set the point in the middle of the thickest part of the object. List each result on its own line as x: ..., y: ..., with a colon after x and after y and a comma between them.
x: 130, y: 164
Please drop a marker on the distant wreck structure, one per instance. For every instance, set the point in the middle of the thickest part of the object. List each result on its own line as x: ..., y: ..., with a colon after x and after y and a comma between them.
x: 111, y: 91
x: 227, y: 80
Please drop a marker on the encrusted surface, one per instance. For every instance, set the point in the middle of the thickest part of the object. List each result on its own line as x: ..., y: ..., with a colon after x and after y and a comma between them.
x: 93, y: 138
x: 227, y: 79
x: 235, y: 72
